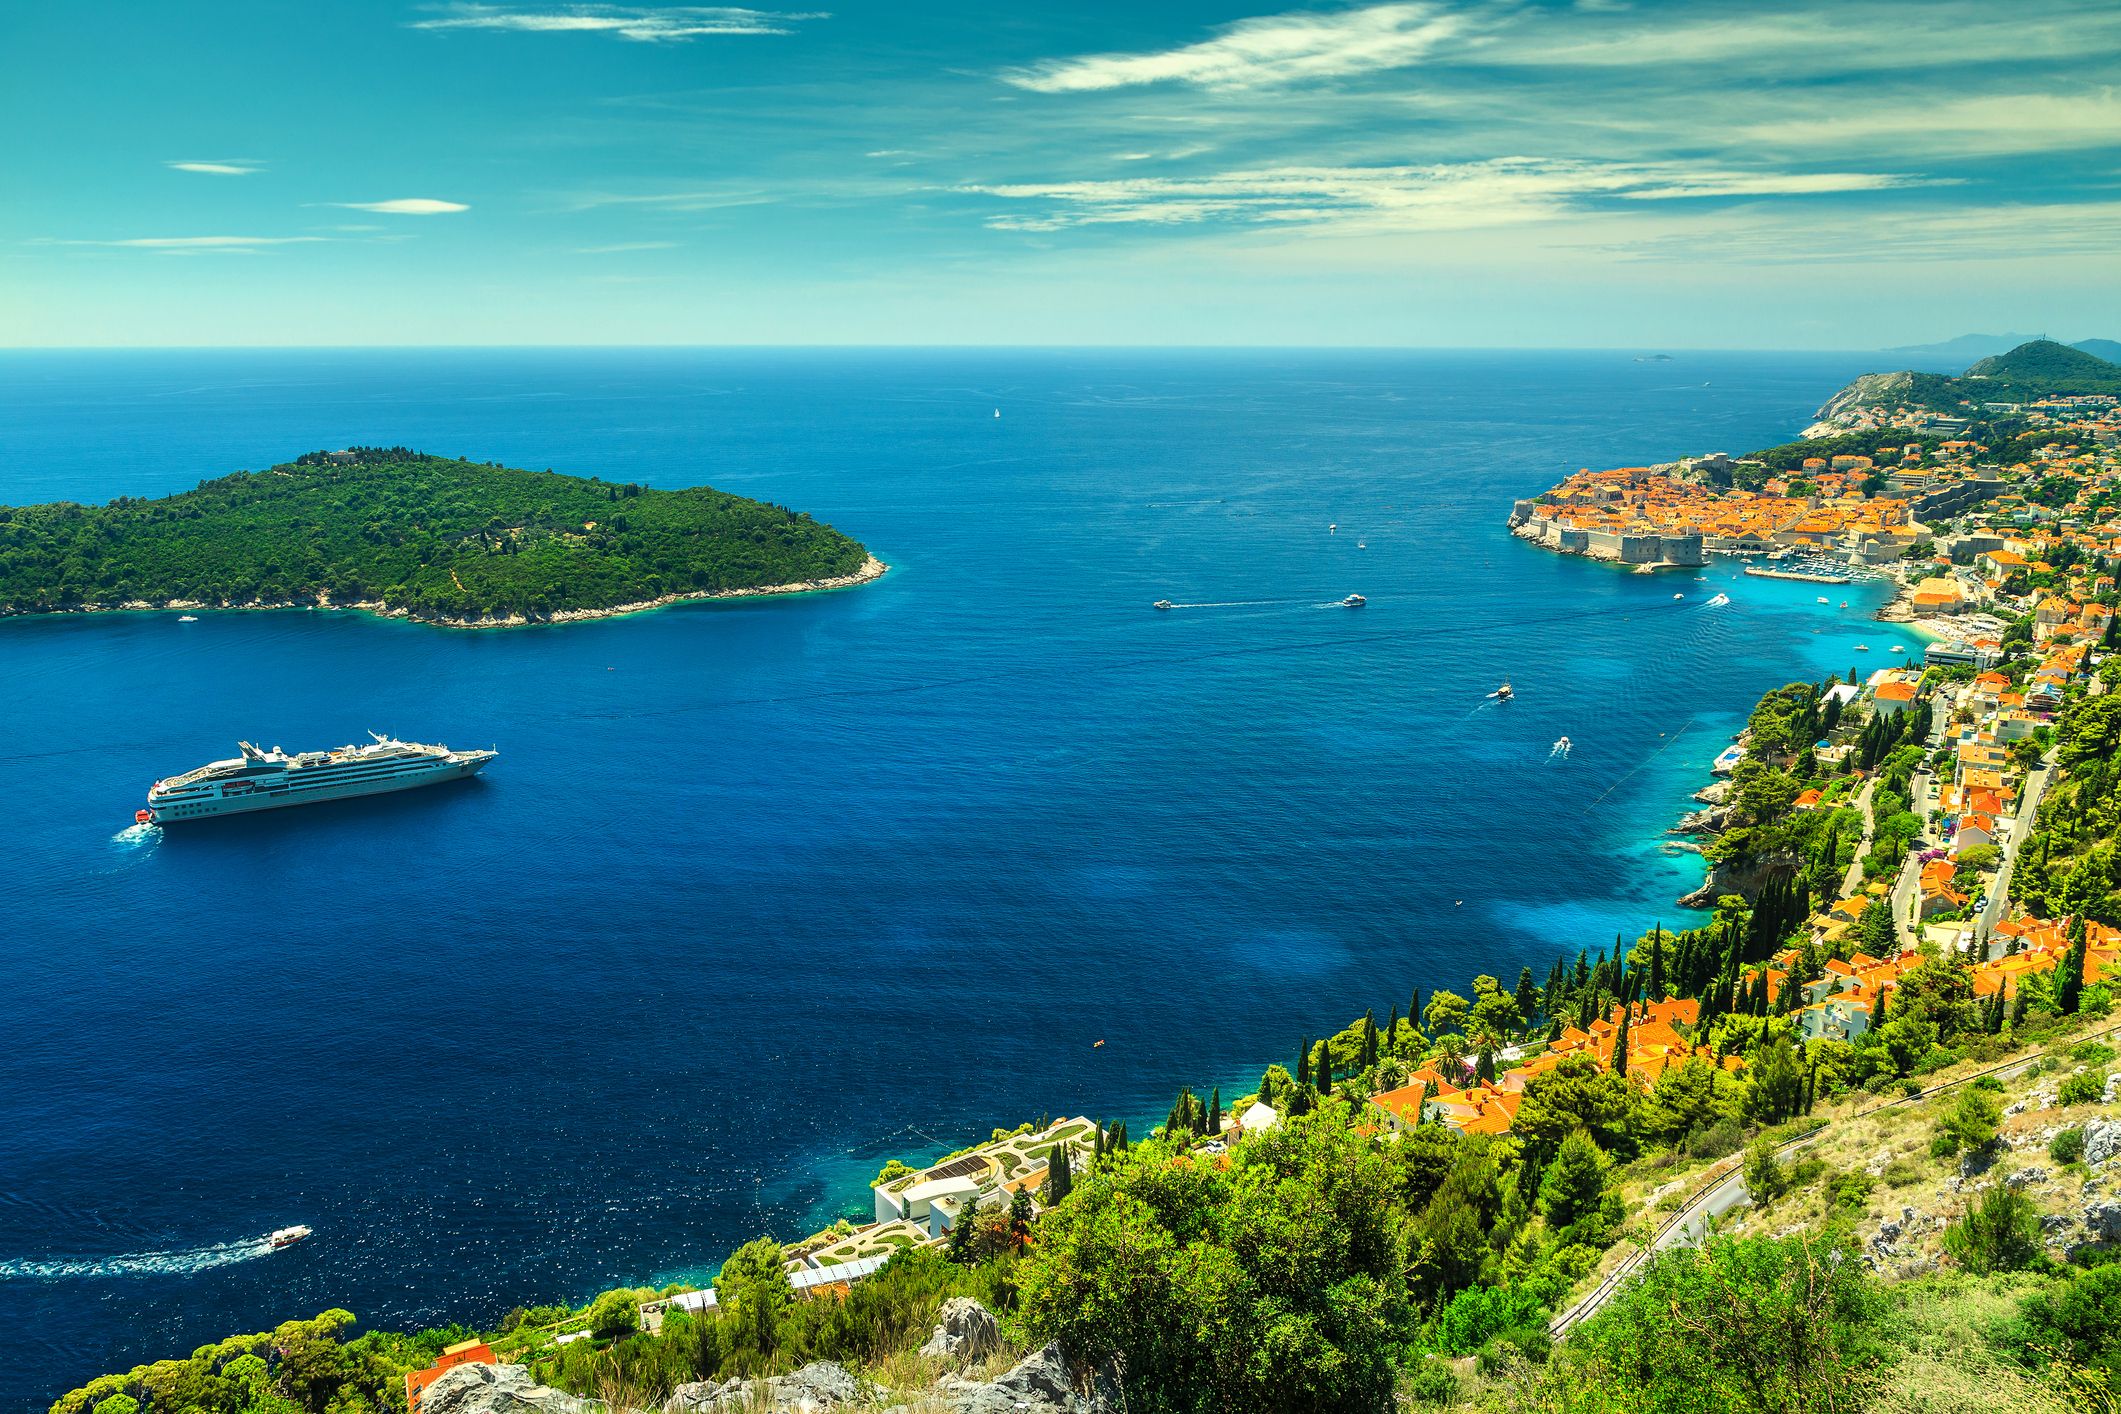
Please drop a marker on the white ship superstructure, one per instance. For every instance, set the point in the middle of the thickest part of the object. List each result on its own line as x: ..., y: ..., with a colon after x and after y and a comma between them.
x: 266, y: 780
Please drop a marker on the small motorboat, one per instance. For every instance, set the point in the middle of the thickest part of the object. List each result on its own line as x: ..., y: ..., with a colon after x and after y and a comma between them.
x: 288, y: 1236
x: 1561, y: 748
x: 1163, y: 604
x: 1353, y: 601
x: 1863, y: 648
x: 143, y: 817
x: 1098, y: 1042
x: 997, y: 412
x: 187, y: 618
x: 1844, y: 603
x: 1719, y: 601
x: 1503, y: 693
x: 1679, y: 596
x: 1362, y: 544
x: 1896, y: 648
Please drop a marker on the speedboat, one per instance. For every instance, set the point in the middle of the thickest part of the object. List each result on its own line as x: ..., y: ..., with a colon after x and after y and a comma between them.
x: 1679, y: 596
x: 1362, y: 544
x: 187, y: 618
x: 288, y: 1236
x: 1562, y: 745
x: 1896, y: 648
x: 1353, y: 601
x: 1844, y: 603
x: 1163, y: 604
x: 1863, y: 648
x: 1503, y: 693
x: 1333, y: 529
x: 1822, y: 599
x: 1719, y: 601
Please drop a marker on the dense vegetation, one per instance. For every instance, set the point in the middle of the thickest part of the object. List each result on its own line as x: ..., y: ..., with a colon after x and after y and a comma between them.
x: 428, y: 536
x: 2042, y: 367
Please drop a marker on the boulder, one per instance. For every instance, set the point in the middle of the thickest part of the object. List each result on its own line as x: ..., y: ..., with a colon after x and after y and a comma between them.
x: 2102, y: 1141
x: 1042, y: 1383
x: 964, y: 1331
x: 816, y: 1387
x: 2025, y: 1176
x: 496, y: 1389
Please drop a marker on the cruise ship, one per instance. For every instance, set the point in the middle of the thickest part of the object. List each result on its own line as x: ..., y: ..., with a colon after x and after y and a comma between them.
x: 266, y: 780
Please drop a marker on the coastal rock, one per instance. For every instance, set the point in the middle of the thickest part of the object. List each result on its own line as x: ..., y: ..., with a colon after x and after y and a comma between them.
x: 815, y: 1388
x: 1707, y: 821
x: 964, y: 1331
x: 1714, y: 793
x: 2102, y: 1141
x: 1043, y: 1383
x: 497, y: 1389
x: 1869, y: 388
x: 1742, y: 876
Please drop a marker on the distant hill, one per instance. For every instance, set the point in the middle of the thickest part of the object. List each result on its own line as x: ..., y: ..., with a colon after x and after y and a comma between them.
x: 1965, y: 347
x: 445, y: 541
x: 2108, y: 349
x: 2044, y: 366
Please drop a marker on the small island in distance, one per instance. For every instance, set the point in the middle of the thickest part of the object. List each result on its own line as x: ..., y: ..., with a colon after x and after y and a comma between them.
x: 407, y: 535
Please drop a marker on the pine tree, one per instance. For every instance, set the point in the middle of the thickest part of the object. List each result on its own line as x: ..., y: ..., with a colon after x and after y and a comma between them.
x: 959, y: 1247
x: 1020, y: 1216
x: 1527, y: 997
x: 2069, y: 986
x: 1059, y: 1180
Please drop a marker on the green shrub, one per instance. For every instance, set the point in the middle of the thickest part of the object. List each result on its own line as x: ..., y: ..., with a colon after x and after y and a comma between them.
x: 2066, y: 1147
x: 1990, y: 1083
x: 1725, y: 1136
x: 1900, y: 1173
x: 1433, y: 1383
x: 2082, y: 1090
x: 615, y: 1314
x: 2091, y: 1053
x: 1998, y: 1232
x: 1850, y: 1190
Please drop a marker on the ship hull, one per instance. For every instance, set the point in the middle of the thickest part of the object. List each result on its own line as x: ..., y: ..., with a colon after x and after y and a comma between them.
x: 185, y: 811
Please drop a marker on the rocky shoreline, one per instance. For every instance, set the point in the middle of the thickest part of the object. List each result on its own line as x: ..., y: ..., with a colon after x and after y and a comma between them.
x: 871, y: 568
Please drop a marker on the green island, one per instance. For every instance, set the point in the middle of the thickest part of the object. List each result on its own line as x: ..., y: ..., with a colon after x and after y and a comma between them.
x: 1846, y: 1142
x: 401, y: 533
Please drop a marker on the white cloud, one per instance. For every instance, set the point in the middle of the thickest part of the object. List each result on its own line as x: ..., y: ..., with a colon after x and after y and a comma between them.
x: 1272, y: 49
x: 1997, y: 123
x: 217, y: 169
x: 636, y: 22
x: 1453, y: 196
x: 404, y: 206
x: 198, y: 245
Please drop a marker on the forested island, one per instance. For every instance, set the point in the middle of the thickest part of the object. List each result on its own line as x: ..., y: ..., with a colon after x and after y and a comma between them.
x: 437, y: 539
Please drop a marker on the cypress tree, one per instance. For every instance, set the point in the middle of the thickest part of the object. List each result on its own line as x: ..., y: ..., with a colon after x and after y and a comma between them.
x: 1322, y: 1070
x: 1526, y: 997
x: 1059, y: 1180
x: 1303, y: 1063
x: 1620, y: 1043
x: 1369, y: 1039
x: 1484, y: 1066
x: 1414, y: 1010
x: 1392, y: 1030
x: 2017, y: 1008
x: 1097, y: 1143
x: 1215, y: 1111
x: 2069, y: 987
x: 1657, y: 963
x: 1878, y: 1010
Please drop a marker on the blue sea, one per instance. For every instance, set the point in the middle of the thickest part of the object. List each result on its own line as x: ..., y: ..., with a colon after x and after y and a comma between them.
x: 762, y: 893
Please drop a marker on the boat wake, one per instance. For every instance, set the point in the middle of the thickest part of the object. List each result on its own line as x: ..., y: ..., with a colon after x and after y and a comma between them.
x: 134, y: 836
x: 1560, y: 751
x: 182, y: 1262
x: 1240, y: 603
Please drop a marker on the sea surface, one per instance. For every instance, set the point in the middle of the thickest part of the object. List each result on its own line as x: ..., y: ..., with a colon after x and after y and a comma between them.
x: 762, y: 893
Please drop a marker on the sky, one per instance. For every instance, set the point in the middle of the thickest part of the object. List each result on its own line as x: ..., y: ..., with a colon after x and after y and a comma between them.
x: 1604, y: 173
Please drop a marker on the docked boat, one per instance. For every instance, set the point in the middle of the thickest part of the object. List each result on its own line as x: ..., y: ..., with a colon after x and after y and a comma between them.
x: 1353, y: 601
x: 1503, y: 693
x: 1163, y: 604
x: 288, y: 1236
x: 265, y: 780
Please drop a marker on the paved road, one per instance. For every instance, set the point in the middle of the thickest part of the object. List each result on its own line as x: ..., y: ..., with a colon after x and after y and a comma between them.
x: 2036, y: 784
x: 1853, y: 880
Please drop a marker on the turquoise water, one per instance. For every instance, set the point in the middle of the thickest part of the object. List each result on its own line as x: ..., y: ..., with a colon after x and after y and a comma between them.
x: 762, y: 893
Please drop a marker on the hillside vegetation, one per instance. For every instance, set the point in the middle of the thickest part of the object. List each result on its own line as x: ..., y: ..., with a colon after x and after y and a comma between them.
x: 428, y: 537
